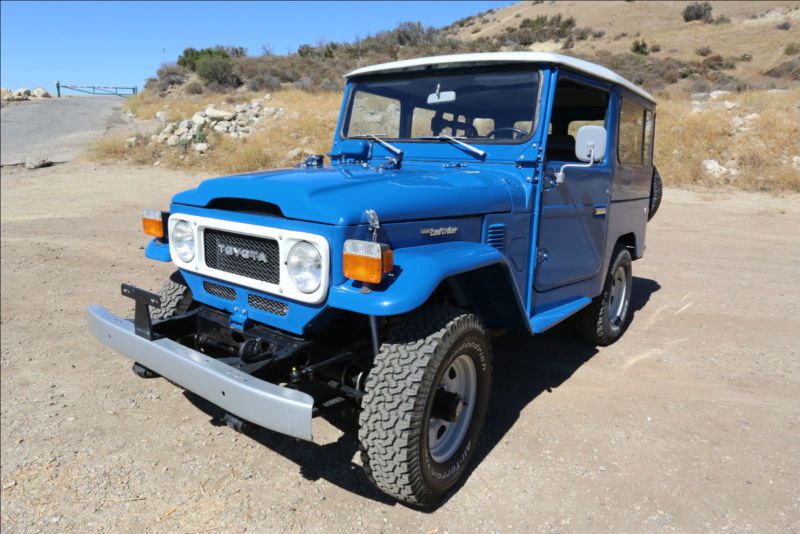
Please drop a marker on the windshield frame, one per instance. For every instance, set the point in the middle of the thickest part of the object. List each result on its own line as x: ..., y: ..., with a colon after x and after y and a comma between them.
x: 352, y: 90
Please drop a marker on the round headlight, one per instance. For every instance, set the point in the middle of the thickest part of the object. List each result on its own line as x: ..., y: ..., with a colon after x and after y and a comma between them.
x: 182, y: 239
x: 304, y: 265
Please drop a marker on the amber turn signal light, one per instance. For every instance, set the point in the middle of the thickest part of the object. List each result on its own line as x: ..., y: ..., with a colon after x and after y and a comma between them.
x: 153, y: 223
x: 367, y: 261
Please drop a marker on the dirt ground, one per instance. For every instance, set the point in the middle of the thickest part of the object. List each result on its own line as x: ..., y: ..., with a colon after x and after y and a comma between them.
x: 691, y: 422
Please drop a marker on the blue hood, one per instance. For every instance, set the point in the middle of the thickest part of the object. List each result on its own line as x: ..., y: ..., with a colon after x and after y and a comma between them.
x: 339, y: 195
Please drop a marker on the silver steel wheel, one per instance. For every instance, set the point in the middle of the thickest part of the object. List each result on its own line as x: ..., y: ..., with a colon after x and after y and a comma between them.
x: 618, y: 302
x: 452, y: 408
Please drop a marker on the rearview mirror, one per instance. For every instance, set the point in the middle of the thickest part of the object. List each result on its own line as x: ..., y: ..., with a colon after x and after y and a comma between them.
x: 440, y: 97
x: 590, y: 143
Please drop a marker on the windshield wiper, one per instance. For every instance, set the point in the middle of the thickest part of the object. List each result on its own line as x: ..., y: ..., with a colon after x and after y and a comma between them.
x: 457, y: 140
x: 377, y: 138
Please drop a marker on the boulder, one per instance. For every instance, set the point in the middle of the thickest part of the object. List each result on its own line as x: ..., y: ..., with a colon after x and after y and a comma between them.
x: 40, y: 92
x: 187, y: 123
x: 131, y: 142
x: 222, y: 126
x: 161, y: 116
x: 201, y: 147
x: 172, y: 140
x: 730, y: 105
x: 716, y: 94
x: 713, y: 168
x: 37, y: 162
x: 22, y: 91
x: 199, y: 118
x: 700, y: 96
x: 180, y: 131
x: 219, y: 114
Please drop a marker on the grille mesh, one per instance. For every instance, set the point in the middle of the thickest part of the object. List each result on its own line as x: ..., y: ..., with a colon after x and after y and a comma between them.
x: 223, y: 292
x: 253, y: 257
x: 267, y: 305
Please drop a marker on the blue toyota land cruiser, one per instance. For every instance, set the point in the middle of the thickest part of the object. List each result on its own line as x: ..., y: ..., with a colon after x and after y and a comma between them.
x: 465, y: 194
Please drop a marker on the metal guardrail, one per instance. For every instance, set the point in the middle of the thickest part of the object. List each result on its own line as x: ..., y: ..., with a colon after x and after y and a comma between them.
x: 98, y: 89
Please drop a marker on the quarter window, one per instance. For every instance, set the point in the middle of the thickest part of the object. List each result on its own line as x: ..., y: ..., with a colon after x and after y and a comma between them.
x: 631, y: 134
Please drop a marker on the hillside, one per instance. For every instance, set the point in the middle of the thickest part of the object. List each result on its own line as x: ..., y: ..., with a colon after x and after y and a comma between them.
x: 744, y: 136
x: 756, y: 36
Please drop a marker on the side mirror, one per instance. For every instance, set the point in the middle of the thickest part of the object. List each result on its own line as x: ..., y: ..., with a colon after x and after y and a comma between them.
x: 590, y: 143
x: 590, y: 146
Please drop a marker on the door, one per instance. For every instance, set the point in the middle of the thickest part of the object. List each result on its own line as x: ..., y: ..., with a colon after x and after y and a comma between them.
x: 573, y: 223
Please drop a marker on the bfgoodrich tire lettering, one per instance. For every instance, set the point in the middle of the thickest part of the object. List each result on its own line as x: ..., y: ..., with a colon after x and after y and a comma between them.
x: 397, y: 405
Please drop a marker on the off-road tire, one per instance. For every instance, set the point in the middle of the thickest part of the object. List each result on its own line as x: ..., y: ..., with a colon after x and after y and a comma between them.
x: 398, y: 398
x: 656, y: 191
x: 593, y: 323
x: 176, y: 298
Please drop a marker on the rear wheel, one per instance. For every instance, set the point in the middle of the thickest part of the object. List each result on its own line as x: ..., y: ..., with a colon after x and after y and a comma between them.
x: 603, y: 321
x: 425, y: 404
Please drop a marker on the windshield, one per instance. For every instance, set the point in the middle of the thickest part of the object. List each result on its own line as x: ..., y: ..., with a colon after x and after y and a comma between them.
x: 483, y: 106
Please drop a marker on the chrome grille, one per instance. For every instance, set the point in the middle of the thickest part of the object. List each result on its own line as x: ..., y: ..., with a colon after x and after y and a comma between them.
x: 223, y: 292
x: 253, y: 257
x: 267, y: 305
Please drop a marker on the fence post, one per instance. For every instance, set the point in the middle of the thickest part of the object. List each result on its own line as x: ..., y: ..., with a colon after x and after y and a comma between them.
x: 58, y: 89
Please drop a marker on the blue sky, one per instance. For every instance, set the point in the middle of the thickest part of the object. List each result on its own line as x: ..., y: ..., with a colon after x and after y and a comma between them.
x: 122, y: 43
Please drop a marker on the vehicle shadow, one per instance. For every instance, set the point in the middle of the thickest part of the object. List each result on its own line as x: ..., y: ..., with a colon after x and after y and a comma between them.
x: 525, y: 366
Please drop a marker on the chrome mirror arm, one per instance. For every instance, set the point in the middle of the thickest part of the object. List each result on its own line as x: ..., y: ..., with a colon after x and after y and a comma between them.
x: 560, y: 176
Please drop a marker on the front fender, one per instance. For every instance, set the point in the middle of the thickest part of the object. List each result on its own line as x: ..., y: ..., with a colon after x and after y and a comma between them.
x: 418, y: 272
x: 158, y: 250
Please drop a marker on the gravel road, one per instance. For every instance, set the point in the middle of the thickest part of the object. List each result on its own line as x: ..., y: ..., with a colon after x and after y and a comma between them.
x: 55, y: 128
x: 690, y: 423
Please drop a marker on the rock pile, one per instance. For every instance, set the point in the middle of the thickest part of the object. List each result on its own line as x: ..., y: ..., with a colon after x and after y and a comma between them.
x: 23, y: 93
x: 237, y: 123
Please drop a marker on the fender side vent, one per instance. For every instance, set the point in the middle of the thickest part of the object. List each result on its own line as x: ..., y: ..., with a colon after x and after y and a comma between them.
x: 220, y: 291
x: 496, y: 236
x: 267, y: 305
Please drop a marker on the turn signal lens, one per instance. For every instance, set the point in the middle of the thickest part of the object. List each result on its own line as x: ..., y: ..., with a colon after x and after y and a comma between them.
x: 367, y: 261
x: 153, y: 223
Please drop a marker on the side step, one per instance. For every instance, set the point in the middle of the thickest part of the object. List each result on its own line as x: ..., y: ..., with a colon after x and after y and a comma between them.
x: 549, y: 318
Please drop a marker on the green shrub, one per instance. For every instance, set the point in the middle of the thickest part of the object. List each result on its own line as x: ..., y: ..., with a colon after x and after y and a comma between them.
x: 190, y: 56
x: 703, y: 51
x: 785, y: 25
x: 698, y: 11
x: 216, y: 71
x: 640, y: 47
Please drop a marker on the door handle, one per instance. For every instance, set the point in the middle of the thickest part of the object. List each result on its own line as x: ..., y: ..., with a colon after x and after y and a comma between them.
x: 600, y: 211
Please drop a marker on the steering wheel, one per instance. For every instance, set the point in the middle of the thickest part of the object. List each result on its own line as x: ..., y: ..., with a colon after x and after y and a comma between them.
x: 516, y: 133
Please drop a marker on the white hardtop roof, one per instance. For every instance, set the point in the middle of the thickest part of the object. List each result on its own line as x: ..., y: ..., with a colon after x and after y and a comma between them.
x: 579, y: 65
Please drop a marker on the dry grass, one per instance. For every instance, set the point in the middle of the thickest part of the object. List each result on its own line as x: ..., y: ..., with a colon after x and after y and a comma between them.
x: 761, y: 148
x: 308, y: 124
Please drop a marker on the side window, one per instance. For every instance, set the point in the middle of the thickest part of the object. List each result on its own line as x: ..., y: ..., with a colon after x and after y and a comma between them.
x: 648, y: 137
x: 575, y: 104
x: 377, y: 114
x: 631, y: 133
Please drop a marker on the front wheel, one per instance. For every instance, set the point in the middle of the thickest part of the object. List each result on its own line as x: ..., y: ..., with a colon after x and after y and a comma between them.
x: 425, y: 404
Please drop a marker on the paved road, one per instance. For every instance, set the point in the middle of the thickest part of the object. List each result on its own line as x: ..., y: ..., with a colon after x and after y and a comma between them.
x: 57, y: 129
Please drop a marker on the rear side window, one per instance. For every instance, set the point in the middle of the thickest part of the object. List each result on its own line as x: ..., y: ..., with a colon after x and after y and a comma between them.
x: 648, y: 137
x: 631, y: 134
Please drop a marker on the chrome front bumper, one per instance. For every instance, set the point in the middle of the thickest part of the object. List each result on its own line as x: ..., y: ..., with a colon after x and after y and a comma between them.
x: 283, y: 410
